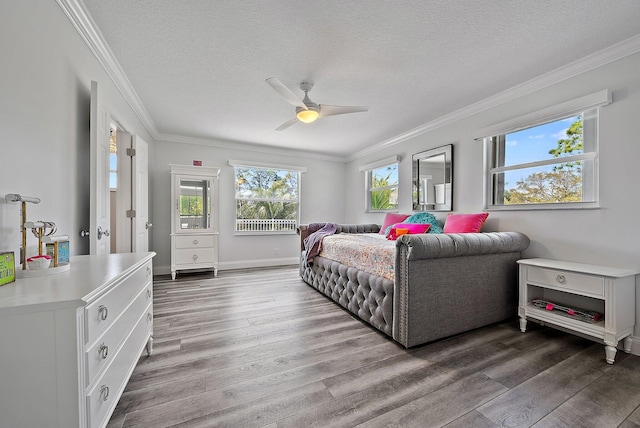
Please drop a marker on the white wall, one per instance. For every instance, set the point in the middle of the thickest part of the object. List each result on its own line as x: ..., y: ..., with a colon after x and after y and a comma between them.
x: 606, y: 236
x: 45, y: 87
x: 322, y: 199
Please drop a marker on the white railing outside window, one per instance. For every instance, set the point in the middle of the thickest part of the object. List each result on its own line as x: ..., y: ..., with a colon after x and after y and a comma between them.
x: 262, y: 225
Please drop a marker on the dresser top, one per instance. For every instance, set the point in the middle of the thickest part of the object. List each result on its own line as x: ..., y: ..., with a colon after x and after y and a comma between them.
x: 87, y: 278
x: 608, y: 271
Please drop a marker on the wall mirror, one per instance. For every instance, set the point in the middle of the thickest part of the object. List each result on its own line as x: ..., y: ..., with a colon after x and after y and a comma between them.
x: 433, y: 179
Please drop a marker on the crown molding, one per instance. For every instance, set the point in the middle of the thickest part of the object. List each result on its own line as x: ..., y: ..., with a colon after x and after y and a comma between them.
x: 598, y: 59
x: 88, y: 30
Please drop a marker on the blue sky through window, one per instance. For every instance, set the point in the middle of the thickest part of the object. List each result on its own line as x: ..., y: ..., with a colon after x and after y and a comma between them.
x: 533, y: 144
x: 389, y: 170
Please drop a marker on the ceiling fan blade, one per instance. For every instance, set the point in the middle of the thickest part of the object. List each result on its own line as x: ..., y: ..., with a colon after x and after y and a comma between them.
x: 287, y: 124
x: 329, y: 110
x: 285, y: 92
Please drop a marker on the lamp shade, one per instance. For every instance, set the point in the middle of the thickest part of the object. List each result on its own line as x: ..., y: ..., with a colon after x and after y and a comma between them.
x: 307, y: 116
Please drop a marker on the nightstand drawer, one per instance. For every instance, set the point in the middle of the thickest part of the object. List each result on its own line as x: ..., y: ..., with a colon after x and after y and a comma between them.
x: 552, y: 278
x: 194, y: 241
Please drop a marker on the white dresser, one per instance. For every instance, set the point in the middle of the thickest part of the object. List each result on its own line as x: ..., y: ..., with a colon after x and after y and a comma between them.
x: 194, y: 218
x: 70, y: 341
x: 606, y: 290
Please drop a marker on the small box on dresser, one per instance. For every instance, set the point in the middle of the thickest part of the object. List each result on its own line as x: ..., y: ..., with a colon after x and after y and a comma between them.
x: 607, y: 290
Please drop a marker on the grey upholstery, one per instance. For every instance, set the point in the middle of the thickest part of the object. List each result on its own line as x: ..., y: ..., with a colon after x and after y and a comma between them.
x: 445, y: 284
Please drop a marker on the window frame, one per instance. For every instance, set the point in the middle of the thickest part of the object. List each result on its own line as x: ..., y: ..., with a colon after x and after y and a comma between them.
x: 266, y: 166
x: 369, y: 189
x: 493, y: 139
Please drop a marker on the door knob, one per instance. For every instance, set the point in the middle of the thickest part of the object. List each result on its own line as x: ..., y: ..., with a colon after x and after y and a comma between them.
x: 84, y: 233
x: 148, y: 225
x: 102, y: 232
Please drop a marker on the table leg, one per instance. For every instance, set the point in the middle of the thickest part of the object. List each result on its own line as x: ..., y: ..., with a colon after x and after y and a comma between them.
x: 610, y: 353
x: 523, y: 324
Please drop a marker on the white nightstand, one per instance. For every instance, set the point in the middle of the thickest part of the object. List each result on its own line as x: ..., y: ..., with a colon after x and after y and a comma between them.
x: 610, y: 291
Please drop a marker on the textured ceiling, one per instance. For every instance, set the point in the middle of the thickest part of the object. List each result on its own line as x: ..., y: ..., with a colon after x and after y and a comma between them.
x: 198, y: 66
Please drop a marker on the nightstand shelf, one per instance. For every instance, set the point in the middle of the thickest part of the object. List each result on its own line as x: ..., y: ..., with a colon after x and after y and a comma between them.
x: 610, y: 291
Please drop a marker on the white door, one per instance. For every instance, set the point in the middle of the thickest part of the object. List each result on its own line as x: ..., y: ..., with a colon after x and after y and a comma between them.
x: 99, y: 242
x: 140, y: 198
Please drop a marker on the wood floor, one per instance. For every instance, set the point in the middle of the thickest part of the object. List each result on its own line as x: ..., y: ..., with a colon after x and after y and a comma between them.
x: 260, y: 348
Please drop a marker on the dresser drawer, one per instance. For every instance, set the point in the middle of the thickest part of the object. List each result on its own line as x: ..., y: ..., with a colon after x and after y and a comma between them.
x: 552, y: 278
x: 103, y: 396
x: 194, y: 241
x: 99, y: 353
x: 195, y: 256
x: 100, y: 313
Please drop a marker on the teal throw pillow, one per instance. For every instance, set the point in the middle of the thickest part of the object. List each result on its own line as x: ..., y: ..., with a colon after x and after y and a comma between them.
x: 425, y: 217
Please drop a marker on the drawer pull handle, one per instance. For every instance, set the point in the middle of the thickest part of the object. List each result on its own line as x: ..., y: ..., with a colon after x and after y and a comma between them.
x: 195, y: 257
x: 149, y: 316
x: 103, y: 312
x: 561, y: 279
x: 195, y: 242
x: 148, y: 292
x: 104, y: 391
x: 148, y: 271
x: 103, y: 351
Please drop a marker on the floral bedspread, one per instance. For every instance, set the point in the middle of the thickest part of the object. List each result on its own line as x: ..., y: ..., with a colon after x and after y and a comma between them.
x: 369, y: 252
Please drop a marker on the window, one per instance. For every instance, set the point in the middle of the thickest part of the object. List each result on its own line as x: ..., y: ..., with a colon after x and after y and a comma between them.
x: 547, y: 163
x: 382, y: 185
x: 267, y: 199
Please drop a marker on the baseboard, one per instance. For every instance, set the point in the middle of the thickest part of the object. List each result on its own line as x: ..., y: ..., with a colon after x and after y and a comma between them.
x: 247, y: 264
x: 240, y: 264
x: 635, y: 345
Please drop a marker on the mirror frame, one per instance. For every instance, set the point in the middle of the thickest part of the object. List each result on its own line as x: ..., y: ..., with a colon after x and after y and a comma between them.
x: 447, y: 151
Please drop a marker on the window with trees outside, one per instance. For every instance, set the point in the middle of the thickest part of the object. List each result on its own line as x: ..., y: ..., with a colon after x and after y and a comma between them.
x: 382, y: 185
x: 267, y: 199
x: 549, y: 164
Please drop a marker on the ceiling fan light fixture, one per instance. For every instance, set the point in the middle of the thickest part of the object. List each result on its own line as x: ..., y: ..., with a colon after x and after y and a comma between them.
x: 307, y: 116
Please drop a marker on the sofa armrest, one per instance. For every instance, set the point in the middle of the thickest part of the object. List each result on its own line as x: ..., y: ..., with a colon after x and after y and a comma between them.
x: 441, y: 245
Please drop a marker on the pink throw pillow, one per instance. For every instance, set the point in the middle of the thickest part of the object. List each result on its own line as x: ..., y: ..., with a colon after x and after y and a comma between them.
x: 465, y: 223
x: 392, y: 218
x: 400, y: 229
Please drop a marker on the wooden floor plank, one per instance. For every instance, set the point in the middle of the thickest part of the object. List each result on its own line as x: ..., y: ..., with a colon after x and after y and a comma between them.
x: 442, y: 406
x: 527, y: 403
x: 606, y: 402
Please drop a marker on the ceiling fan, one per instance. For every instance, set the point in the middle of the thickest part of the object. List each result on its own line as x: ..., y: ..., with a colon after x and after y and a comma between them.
x: 306, y: 110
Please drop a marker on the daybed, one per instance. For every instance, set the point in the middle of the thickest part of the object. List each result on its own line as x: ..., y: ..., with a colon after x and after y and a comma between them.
x: 443, y: 284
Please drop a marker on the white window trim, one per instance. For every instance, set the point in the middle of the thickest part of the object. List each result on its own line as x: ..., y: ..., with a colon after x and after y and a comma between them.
x: 248, y: 164
x: 587, y: 103
x: 367, y: 185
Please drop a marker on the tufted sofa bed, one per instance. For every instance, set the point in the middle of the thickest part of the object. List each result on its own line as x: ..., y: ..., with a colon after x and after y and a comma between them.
x: 445, y: 284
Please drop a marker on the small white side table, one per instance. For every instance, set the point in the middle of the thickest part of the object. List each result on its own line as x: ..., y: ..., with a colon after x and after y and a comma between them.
x: 610, y: 291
